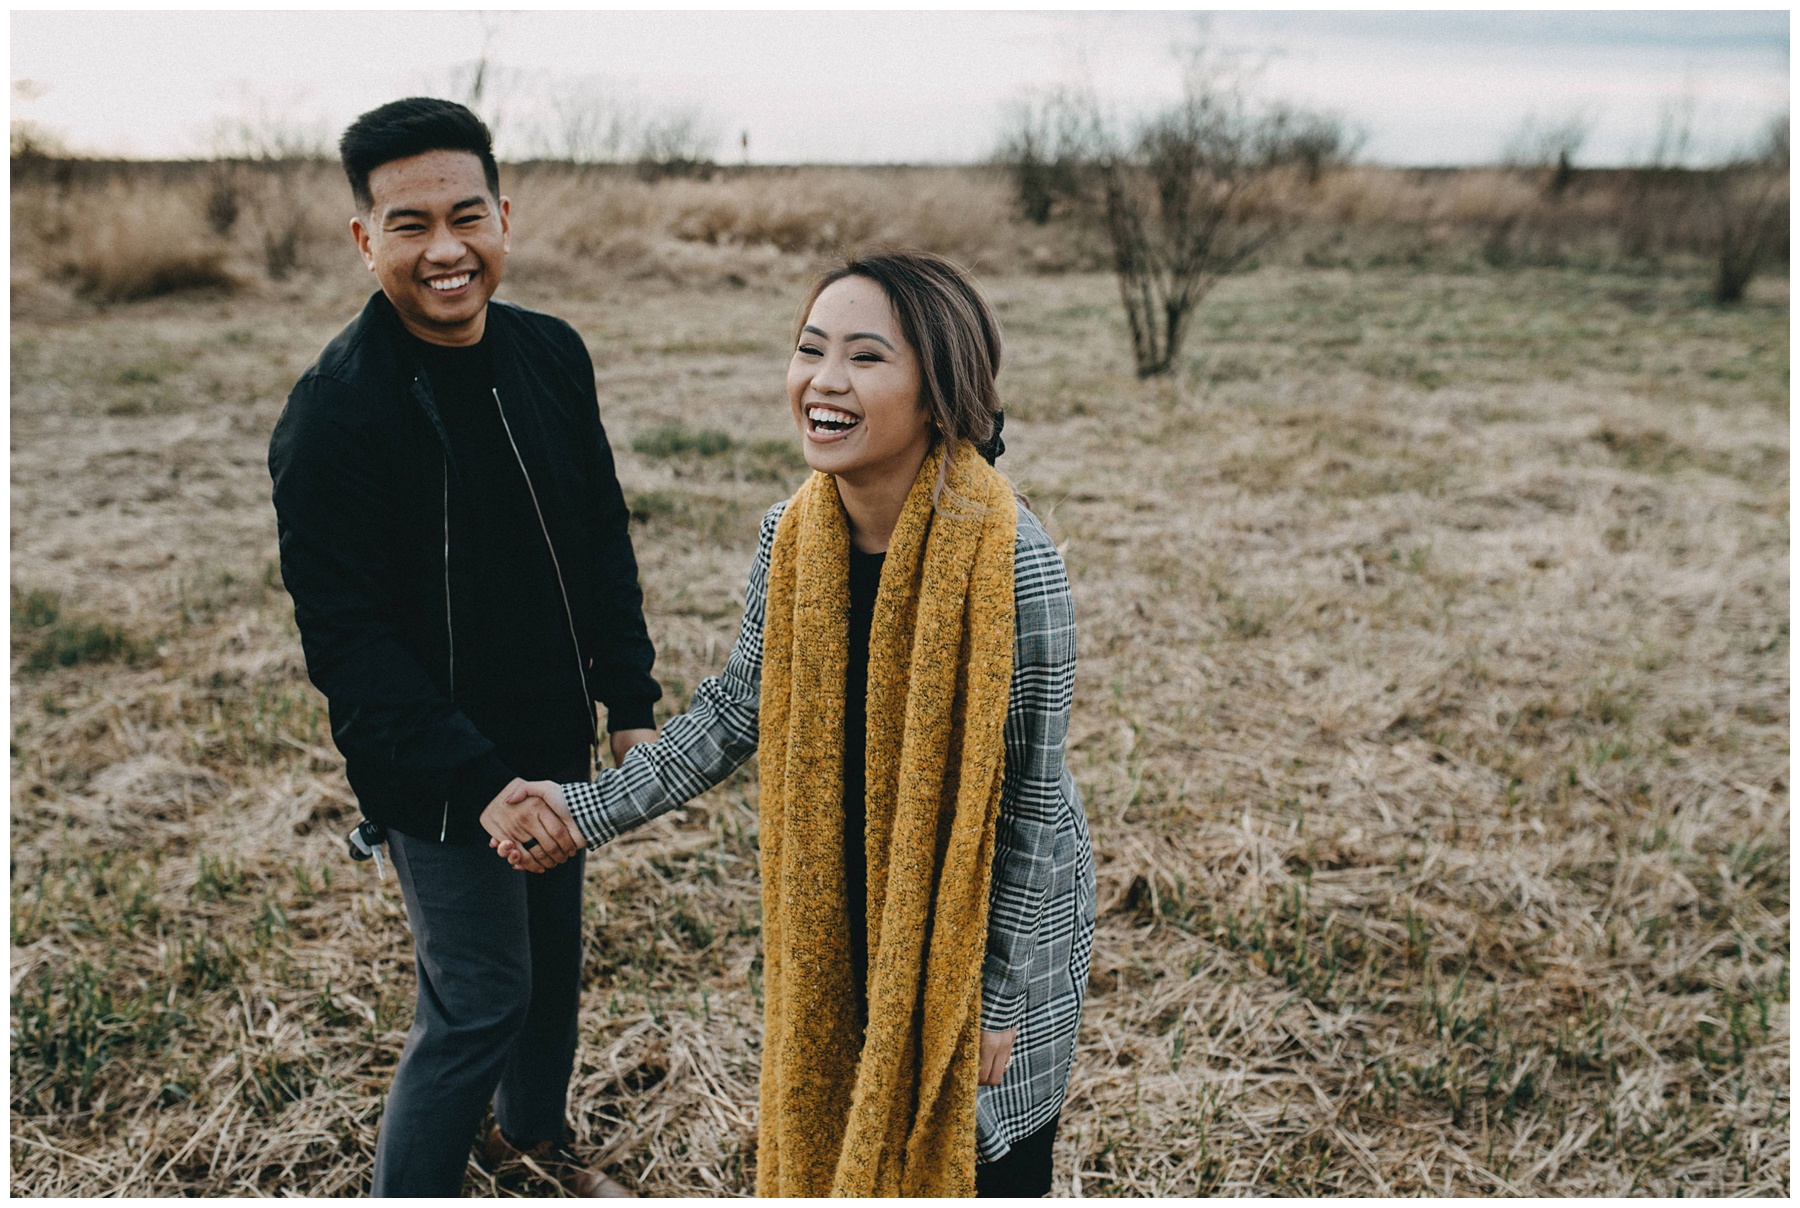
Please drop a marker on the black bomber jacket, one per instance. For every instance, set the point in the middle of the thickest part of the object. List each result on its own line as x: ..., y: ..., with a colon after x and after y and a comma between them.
x: 362, y: 472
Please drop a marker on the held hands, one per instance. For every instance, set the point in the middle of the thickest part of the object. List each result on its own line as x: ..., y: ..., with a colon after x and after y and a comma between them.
x: 530, y: 810
x: 529, y: 825
x: 996, y: 1051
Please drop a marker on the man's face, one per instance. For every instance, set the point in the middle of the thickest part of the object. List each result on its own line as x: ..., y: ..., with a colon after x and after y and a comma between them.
x: 437, y: 241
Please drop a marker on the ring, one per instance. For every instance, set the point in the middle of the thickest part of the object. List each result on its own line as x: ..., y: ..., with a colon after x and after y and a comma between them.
x: 528, y: 844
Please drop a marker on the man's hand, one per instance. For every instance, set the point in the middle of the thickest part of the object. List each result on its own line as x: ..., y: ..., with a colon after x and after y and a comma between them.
x: 624, y: 740
x: 536, y: 829
x: 996, y: 1051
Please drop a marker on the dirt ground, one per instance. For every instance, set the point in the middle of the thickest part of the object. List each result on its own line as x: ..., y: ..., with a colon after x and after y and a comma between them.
x: 1431, y: 717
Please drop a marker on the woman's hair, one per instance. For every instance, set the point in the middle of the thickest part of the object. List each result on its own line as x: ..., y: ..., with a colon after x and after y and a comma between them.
x: 953, y: 331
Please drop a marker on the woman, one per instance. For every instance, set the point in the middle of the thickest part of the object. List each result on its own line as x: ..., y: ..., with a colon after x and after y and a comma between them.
x: 906, y: 661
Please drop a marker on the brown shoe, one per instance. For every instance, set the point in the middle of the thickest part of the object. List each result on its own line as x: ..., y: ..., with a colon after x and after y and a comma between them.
x: 551, y: 1160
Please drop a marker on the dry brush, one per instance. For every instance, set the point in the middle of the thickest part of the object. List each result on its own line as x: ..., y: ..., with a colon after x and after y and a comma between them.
x: 1431, y: 717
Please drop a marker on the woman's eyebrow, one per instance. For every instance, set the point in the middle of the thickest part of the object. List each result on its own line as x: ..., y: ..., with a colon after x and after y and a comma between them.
x: 855, y: 335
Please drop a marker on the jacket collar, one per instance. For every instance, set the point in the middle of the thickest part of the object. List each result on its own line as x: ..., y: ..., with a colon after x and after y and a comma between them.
x: 379, y: 316
x: 381, y: 326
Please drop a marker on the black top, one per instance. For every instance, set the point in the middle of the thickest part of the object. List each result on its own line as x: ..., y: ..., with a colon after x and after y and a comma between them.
x: 865, y: 583
x: 512, y: 633
x: 363, y: 475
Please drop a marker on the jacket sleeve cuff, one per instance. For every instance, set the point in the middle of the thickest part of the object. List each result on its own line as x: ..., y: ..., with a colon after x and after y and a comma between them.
x: 998, y: 1013
x: 478, y: 782
x: 631, y: 715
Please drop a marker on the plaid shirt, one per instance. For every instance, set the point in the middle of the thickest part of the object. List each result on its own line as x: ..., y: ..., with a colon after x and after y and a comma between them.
x: 1041, y: 913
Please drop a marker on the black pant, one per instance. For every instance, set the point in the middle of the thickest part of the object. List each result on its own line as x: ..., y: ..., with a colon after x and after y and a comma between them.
x: 499, y: 961
x: 1023, y: 1170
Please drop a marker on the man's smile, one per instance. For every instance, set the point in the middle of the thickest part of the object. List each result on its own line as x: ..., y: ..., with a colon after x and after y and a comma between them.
x: 449, y: 285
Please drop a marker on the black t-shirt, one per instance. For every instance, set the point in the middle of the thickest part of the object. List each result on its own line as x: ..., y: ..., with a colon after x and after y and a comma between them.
x: 512, y: 650
x: 865, y: 583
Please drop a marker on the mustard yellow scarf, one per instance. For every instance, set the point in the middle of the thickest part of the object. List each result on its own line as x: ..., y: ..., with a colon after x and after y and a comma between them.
x: 892, y: 1111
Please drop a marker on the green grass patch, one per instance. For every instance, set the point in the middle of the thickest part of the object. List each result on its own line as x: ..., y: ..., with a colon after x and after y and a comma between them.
x: 716, y: 520
x: 676, y: 440
x: 767, y: 460
x: 60, y: 640
x: 70, y: 1024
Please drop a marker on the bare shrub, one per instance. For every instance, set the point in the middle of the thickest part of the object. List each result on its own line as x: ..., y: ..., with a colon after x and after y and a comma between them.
x: 1734, y: 213
x: 790, y: 220
x: 1042, y: 147
x: 281, y: 246
x: 680, y: 142
x: 282, y: 213
x: 223, y: 203
x: 956, y: 213
x: 586, y: 124
x: 33, y: 140
x: 742, y: 220
x: 580, y: 225
x: 1194, y: 192
x: 1547, y: 149
x: 128, y: 244
x: 116, y: 232
x: 270, y: 132
x: 1749, y: 203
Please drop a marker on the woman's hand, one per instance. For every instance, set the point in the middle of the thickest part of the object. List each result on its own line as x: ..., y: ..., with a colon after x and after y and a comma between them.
x: 996, y: 1051
x: 558, y: 836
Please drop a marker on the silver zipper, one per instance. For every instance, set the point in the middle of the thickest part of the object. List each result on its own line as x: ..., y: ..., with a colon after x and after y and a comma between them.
x: 449, y: 629
x: 587, y: 699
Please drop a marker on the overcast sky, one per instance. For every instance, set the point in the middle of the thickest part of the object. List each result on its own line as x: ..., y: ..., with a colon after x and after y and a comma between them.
x: 1427, y: 87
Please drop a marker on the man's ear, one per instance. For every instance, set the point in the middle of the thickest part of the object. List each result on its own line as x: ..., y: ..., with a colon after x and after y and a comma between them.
x: 359, y: 231
x: 506, y: 224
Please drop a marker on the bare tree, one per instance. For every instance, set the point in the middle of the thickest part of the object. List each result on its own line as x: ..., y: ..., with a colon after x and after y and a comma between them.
x: 1549, y: 147
x: 678, y: 142
x: 1042, y: 146
x: 1194, y: 192
x: 1674, y: 140
x: 1659, y: 190
x: 32, y: 139
x: 270, y: 133
x: 1734, y: 211
x: 483, y: 83
x: 257, y: 153
x: 1748, y: 198
x: 589, y: 124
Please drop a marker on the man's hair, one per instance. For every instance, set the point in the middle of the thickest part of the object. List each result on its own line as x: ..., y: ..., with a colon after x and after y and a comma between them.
x: 413, y: 126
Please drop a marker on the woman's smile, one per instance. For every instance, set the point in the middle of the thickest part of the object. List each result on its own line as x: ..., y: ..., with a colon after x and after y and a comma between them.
x: 825, y: 424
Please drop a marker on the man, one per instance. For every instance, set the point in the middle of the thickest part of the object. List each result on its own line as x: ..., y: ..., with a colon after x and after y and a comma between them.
x: 455, y: 542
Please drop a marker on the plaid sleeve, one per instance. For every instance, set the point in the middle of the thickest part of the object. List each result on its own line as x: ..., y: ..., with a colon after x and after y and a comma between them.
x: 1031, y: 795
x: 699, y: 748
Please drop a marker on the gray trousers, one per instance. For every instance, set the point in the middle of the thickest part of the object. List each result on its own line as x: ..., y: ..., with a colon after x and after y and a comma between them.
x: 499, y: 964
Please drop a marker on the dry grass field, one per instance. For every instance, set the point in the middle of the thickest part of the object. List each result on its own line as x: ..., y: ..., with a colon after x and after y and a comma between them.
x: 1432, y: 716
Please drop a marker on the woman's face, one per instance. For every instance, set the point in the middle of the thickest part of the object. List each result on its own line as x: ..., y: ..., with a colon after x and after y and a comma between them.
x: 854, y: 386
